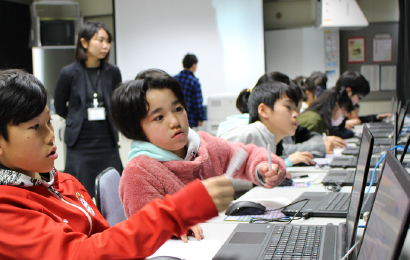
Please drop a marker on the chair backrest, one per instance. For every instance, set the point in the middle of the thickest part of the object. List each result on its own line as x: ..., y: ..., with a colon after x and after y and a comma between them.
x: 107, y: 196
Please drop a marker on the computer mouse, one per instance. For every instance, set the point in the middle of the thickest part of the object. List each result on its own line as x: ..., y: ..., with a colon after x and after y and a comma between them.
x: 286, y: 182
x: 165, y: 258
x: 245, y: 208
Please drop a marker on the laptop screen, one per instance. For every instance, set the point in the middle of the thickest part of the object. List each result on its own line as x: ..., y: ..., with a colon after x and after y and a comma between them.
x: 383, y: 236
x: 359, y: 186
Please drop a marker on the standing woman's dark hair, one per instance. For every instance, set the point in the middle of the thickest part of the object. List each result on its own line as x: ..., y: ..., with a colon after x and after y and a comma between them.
x: 326, y: 103
x: 82, y: 97
x: 87, y: 31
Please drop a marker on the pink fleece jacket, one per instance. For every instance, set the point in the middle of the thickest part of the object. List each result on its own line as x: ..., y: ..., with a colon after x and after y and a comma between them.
x: 145, y: 178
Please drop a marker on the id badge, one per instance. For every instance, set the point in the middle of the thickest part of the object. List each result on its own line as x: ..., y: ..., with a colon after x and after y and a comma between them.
x: 96, y: 113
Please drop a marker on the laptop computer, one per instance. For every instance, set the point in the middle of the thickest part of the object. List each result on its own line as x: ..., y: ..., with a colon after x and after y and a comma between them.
x: 335, y: 204
x: 383, y: 237
x: 389, y: 219
x: 387, y: 132
x: 345, y: 177
x: 351, y: 161
x: 264, y: 241
x: 355, y: 150
x: 344, y: 163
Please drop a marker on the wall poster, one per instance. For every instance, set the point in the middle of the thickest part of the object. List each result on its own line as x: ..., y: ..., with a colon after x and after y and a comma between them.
x: 356, y: 52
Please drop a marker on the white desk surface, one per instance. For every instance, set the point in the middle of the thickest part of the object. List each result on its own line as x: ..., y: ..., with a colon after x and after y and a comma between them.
x: 216, y: 230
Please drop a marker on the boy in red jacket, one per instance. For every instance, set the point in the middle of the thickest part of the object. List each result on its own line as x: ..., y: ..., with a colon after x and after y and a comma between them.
x: 46, y: 214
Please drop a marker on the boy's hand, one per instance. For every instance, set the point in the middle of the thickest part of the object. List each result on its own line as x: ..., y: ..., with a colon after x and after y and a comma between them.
x: 302, y: 157
x: 273, y: 177
x: 332, y: 142
x: 195, y: 231
x: 221, y: 191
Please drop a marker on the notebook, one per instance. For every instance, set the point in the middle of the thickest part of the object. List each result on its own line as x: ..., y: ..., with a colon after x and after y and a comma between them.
x: 334, y: 204
x: 278, y: 241
x: 389, y: 219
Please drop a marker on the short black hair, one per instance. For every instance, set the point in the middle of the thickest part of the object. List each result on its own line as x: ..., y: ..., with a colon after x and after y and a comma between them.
x: 87, y: 31
x: 129, y: 104
x: 22, y: 98
x: 189, y: 60
x: 356, y: 81
x: 242, y: 100
x: 273, y: 76
x: 268, y: 93
x: 320, y: 79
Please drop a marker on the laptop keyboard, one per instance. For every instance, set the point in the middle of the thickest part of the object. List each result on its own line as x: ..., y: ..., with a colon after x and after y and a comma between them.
x: 294, y: 242
x: 335, y: 201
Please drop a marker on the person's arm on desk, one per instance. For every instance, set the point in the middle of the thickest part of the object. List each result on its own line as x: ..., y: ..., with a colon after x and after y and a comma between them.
x: 221, y: 191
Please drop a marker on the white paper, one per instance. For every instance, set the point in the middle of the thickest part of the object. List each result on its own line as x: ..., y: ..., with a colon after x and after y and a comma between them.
x: 193, y: 250
x: 382, y: 48
x: 388, y: 77
x: 372, y: 74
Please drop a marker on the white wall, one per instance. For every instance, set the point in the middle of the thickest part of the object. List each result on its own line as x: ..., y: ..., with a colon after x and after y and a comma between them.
x: 299, y: 52
x: 226, y: 36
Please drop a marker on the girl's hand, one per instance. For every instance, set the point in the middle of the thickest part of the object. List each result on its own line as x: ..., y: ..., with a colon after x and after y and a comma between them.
x: 195, y: 231
x: 352, y: 122
x: 273, y: 177
x: 302, y: 157
x: 221, y: 191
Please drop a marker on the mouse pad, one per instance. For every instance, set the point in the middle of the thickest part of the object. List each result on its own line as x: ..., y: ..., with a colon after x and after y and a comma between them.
x: 247, y: 218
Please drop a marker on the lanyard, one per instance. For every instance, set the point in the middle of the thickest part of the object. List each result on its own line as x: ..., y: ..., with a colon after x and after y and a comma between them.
x: 95, y: 95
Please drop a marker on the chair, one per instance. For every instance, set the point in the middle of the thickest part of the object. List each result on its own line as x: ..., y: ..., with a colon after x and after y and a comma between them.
x: 107, y: 196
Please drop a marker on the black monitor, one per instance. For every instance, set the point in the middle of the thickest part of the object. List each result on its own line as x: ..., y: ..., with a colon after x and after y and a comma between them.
x: 389, y: 217
x: 57, y: 32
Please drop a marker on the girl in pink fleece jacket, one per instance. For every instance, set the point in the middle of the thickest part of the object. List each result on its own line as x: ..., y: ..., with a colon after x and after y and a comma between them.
x: 166, y: 154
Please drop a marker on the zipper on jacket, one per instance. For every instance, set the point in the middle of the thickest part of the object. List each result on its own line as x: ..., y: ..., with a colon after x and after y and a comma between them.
x: 58, y: 195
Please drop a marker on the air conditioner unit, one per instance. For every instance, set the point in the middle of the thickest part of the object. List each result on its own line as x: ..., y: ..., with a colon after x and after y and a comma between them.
x: 219, y: 107
x: 344, y: 14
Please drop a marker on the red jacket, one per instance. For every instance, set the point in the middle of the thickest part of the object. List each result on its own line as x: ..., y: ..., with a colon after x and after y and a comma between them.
x: 37, y: 224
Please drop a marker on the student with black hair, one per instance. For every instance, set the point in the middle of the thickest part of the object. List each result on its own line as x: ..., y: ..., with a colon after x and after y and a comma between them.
x: 327, y: 112
x: 309, y: 88
x: 358, y: 87
x: 320, y: 82
x: 82, y: 97
x: 166, y: 154
x: 46, y: 214
x: 273, y: 113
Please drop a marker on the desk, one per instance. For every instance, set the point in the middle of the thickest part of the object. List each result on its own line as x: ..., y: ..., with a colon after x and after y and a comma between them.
x: 217, y: 230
